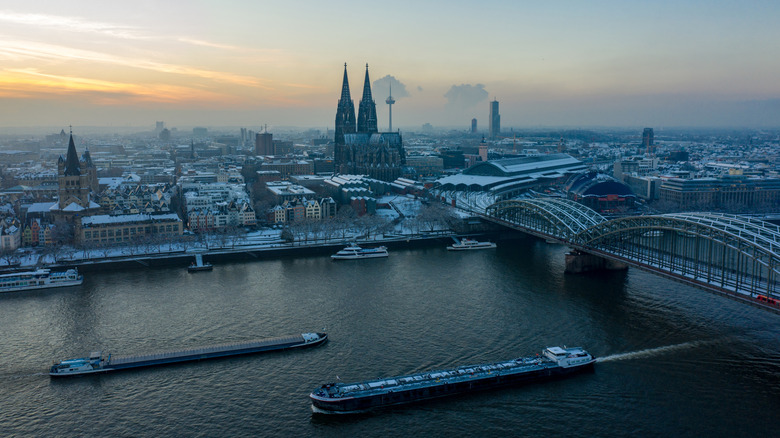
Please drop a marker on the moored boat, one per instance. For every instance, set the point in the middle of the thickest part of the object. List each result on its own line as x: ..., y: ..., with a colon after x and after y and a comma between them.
x: 354, y: 251
x: 361, y: 396
x: 39, y: 279
x: 469, y: 244
x: 199, y: 265
x: 97, y: 362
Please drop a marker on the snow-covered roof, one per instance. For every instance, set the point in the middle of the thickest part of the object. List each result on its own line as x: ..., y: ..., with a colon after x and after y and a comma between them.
x: 103, y: 219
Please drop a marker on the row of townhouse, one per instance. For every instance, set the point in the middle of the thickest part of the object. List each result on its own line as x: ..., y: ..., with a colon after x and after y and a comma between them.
x: 223, y: 215
x: 37, y: 233
x: 295, y: 210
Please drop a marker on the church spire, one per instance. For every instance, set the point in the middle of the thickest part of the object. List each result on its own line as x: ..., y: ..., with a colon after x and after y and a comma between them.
x: 367, y: 110
x: 72, y: 159
x: 345, y: 113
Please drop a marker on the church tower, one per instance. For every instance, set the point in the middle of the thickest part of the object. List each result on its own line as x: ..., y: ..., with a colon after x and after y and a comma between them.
x: 345, y: 113
x: 74, y: 181
x: 366, y: 122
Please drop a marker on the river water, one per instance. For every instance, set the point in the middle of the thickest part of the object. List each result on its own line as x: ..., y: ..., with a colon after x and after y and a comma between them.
x: 675, y: 361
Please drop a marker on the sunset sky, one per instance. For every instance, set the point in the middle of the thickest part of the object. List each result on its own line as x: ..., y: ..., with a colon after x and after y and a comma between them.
x: 249, y: 63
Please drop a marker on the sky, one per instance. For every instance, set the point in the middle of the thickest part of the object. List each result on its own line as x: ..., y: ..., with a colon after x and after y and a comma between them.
x: 251, y: 63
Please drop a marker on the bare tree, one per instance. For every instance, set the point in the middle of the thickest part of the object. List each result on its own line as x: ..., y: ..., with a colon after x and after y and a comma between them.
x: 62, y: 233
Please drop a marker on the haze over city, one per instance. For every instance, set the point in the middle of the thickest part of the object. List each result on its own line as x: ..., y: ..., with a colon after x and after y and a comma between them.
x: 231, y: 63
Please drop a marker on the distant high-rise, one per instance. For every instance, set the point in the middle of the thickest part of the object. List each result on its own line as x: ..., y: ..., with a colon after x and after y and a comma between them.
x: 264, y: 143
x: 158, y: 127
x: 473, y: 126
x: 647, y: 140
x: 495, y: 120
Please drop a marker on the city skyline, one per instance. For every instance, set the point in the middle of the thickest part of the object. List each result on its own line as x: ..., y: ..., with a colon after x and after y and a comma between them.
x: 239, y: 63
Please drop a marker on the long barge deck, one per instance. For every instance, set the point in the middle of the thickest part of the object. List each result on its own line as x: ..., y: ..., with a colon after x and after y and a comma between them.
x: 98, y: 363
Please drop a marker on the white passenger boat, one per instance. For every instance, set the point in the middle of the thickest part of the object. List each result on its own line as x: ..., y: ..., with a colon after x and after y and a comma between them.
x: 39, y: 279
x: 353, y: 252
x: 469, y: 244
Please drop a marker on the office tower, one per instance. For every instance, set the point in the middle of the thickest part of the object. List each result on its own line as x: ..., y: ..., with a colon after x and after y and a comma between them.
x: 647, y: 140
x: 264, y: 143
x: 473, y: 126
x: 495, y: 120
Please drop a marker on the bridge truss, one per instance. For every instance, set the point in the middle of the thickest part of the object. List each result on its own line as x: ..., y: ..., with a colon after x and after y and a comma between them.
x: 731, y: 254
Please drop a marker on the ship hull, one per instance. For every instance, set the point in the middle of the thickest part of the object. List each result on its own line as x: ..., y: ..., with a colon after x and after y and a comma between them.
x: 356, y: 257
x: 44, y: 286
x: 189, y: 356
x: 399, y: 396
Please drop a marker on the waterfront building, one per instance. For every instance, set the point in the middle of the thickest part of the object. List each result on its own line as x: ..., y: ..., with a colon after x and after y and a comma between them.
x: 109, y: 230
x: 359, y: 147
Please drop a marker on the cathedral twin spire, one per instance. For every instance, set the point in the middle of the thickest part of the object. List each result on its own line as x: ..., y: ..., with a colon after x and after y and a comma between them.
x: 345, y: 113
x: 367, y: 111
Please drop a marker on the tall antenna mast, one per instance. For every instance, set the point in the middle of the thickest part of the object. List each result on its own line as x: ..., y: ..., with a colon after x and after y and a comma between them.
x: 390, y: 101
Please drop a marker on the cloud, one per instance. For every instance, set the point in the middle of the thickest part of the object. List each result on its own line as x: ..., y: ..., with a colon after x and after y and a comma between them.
x: 382, y: 86
x: 15, y: 50
x: 73, y: 24
x: 465, y: 95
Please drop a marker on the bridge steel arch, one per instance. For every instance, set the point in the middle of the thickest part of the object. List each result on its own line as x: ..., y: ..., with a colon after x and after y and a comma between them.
x: 555, y: 218
x: 727, y: 253
x: 733, y: 255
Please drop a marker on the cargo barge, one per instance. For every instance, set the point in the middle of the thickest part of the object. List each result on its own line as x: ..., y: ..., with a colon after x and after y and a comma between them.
x: 344, y: 398
x: 96, y: 362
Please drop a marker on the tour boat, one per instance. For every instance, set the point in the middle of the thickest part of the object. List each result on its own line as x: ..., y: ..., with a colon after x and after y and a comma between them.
x: 353, y: 252
x: 343, y: 398
x: 469, y: 244
x: 39, y: 279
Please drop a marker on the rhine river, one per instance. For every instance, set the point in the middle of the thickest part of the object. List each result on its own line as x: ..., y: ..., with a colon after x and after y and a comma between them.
x: 676, y: 361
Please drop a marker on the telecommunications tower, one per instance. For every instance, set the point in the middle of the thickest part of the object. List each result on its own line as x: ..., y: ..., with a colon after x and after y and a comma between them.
x: 390, y: 101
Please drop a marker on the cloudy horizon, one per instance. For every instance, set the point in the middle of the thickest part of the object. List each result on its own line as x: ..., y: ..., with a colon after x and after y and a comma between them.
x: 238, y: 63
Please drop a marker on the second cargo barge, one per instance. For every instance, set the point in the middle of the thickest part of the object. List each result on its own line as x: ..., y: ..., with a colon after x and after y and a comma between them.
x: 98, y: 363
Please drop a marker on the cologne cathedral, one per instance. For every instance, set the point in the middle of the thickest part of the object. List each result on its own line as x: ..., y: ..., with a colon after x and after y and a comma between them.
x: 359, y: 146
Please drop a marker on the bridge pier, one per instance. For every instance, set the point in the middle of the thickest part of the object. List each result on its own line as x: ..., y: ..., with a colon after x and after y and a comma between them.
x: 578, y: 262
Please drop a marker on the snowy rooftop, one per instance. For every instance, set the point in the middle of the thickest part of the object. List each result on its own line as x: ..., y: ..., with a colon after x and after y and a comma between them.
x: 126, y: 218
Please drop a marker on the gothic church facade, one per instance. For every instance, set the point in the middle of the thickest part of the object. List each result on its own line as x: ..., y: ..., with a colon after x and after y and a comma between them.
x: 359, y: 146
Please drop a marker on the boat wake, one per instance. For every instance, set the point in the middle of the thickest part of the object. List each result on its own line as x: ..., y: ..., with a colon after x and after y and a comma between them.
x: 649, y: 352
